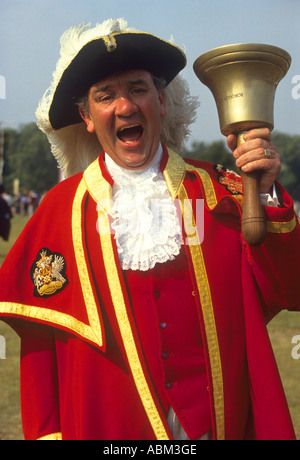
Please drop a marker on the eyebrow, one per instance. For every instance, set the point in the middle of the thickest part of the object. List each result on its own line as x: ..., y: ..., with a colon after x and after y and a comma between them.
x: 101, y: 89
x: 138, y: 82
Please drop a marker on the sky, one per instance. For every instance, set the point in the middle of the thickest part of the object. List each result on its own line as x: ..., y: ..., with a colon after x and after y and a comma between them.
x: 29, y: 46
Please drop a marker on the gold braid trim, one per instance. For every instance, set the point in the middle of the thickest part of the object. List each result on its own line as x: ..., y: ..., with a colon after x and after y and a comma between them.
x: 86, y: 284
x: 208, y: 313
x: 209, y: 191
x: 281, y: 227
x: 51, y: 437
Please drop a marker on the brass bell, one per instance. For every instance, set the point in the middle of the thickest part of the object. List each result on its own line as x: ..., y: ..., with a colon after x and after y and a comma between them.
x: 243, y: 79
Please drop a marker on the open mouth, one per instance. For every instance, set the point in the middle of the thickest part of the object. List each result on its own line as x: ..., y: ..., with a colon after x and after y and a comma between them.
x: 130, y: 134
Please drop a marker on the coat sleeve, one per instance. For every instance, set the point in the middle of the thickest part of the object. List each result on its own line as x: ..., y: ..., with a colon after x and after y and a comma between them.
x: 39, y: 381
x: 276, y: 264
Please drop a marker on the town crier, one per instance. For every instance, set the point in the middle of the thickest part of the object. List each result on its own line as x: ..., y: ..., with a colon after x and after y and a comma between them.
x: 142, y: 311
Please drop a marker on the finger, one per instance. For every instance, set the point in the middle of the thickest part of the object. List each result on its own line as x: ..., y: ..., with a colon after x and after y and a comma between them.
x: 262, y: 133
x: 256, y: 145
x: 231, y: 142
x: 269, y: 170
x: 256, y: 154
x: 272, y: 167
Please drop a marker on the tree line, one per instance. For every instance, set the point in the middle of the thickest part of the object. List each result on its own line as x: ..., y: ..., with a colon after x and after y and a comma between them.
x: 28, y: 158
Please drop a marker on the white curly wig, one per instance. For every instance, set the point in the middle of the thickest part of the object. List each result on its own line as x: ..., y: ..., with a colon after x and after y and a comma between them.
x: 73, y: 146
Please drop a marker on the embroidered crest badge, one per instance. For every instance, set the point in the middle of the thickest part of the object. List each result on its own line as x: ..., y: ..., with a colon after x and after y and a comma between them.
x: 230, y: 180
x: 48, y: 273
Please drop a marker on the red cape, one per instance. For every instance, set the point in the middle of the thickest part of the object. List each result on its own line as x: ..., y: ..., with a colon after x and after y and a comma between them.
x: 82, y: 355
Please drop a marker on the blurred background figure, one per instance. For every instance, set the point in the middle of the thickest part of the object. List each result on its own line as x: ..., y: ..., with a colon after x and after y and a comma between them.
x: 5, y: 215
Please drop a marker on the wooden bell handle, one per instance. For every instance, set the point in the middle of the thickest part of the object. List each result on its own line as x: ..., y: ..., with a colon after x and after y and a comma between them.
x: 253, y: 217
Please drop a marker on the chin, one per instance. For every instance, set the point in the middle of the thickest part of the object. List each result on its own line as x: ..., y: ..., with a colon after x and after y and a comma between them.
x: 136, y: 163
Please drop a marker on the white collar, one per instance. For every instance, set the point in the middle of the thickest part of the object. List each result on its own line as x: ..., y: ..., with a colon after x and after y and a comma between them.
x: 146, y: 225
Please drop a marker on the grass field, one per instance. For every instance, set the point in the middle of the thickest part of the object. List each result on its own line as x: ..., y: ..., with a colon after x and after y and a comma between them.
x: 282, y: 329
x: 10, y: 416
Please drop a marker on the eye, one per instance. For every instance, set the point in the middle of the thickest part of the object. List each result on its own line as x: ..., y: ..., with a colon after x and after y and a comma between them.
x: 139, y: 90
x: 106, y: 98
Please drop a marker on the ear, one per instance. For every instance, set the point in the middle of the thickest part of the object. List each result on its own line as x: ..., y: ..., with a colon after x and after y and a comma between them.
x: 88, y: 119
x: 163, y: 106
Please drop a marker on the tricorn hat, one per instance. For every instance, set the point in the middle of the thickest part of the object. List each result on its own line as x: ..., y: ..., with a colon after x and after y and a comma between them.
x: 105, y: 55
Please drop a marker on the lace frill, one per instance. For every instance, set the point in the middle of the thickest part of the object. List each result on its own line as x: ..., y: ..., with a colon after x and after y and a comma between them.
x: 145, y: 221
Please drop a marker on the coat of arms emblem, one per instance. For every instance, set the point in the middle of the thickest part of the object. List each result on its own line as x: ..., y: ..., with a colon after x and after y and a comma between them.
x: 48, y: 273
x: 230, y: 180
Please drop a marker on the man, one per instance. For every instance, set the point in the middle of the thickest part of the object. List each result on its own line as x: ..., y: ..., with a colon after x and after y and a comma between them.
x: 5, y: 215
x: 131, y: 326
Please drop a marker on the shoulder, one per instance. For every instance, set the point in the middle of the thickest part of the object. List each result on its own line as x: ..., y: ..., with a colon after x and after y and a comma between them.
x: 63, y: 192
x: 56, y: 204
x: 225, y: 182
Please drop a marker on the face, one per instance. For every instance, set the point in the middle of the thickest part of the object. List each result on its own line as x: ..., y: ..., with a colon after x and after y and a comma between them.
x: 125, y: 112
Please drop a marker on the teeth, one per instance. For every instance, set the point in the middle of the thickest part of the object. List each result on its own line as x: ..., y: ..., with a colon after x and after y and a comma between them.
x: 127, y: 127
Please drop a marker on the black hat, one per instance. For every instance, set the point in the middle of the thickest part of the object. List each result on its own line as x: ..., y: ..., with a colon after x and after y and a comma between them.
x: 104, y: 56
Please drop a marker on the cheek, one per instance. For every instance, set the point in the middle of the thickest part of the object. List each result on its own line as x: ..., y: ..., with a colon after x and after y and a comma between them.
x: 104, y: 135
x: 102, y: 125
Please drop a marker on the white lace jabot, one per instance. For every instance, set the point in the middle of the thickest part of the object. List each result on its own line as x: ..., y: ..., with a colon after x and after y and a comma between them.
x: 145, y: 221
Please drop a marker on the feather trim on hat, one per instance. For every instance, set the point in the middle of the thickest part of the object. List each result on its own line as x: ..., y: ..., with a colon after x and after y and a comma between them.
x: 73, y: 147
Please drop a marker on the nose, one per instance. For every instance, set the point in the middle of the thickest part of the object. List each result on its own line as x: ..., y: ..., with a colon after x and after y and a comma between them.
x: 125, y: 106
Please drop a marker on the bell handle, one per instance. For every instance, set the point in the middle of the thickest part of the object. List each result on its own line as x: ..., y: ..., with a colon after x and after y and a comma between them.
x: 253, y: 216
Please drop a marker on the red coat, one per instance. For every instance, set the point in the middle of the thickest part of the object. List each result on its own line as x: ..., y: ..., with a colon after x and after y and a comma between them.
x: 84, y: 369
